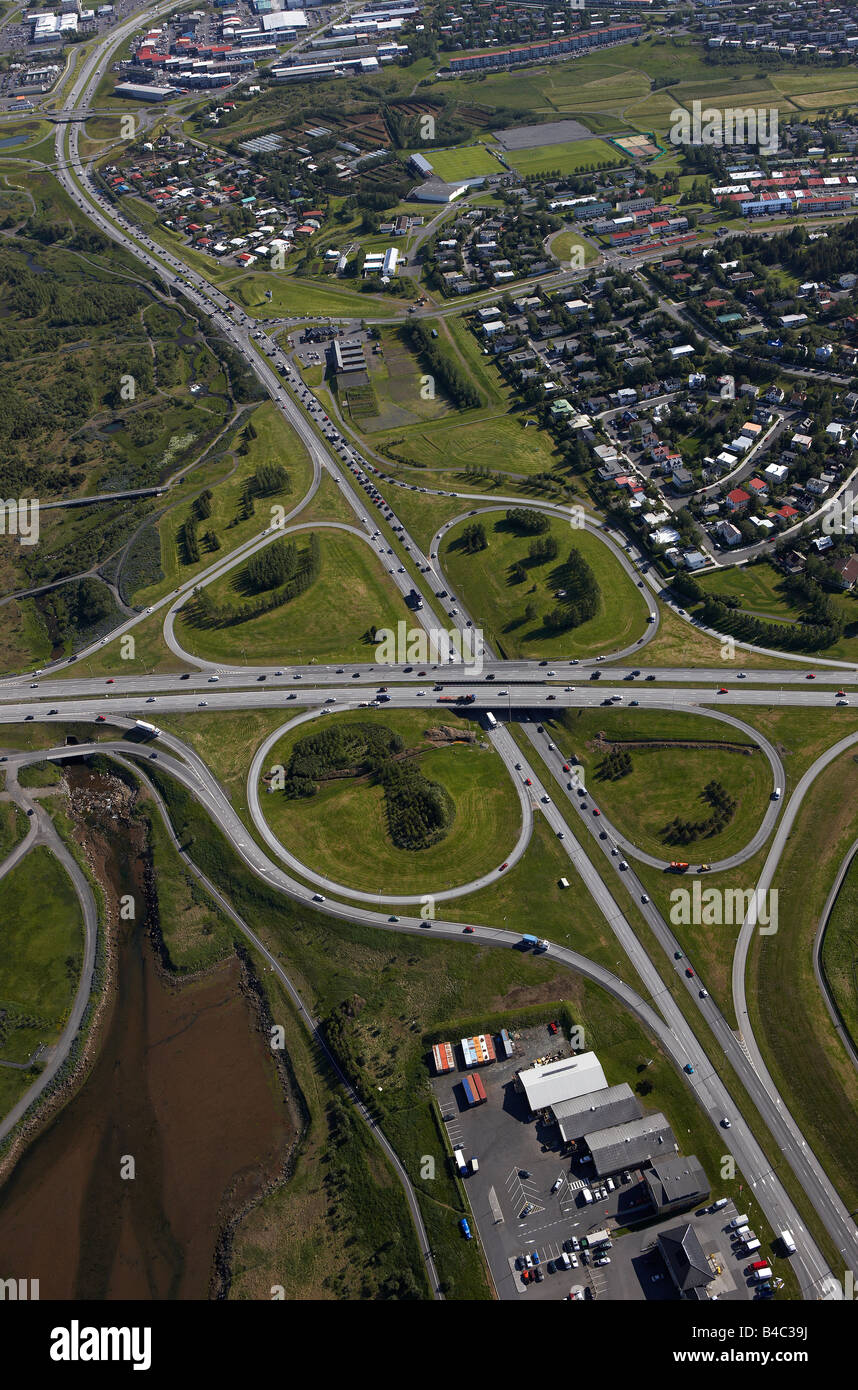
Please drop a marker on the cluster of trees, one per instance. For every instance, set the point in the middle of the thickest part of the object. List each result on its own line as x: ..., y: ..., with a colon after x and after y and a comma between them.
x: 616, y: 763
x: 474, y: 538
x: 824, y: 627
x: 340, y: 747
x: 274, y: 565
x: 204, y: 612
x: 543, y: 549
x: 419, y: 812
x: 581, y: 595
x: 531, y: 522
x: 683, y: 832
x: 203, y: 505
x: 189, y: 541
x: 73, y: 611
x: 270, y: 478
x: 440, y: 365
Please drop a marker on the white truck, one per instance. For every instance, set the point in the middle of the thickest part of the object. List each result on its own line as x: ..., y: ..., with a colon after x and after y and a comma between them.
x: 787, y: 1242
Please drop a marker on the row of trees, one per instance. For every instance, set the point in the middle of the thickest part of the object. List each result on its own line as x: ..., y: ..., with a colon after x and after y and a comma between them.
x: 531, y: 522
x: 205, y: 612
x: 440, y: 365
x: 683, y: 832
x: 580, y: 597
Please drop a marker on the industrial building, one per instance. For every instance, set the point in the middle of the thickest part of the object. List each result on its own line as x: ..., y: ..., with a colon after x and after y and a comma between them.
x: 686, y: 1262
x: 421, y: 166
x: 347, y: 357
x: 306, y: 72
x: 137, y: 91
x: 630, y: 1145
x: 676, y: 1182
x: 614, y: 1105
x: 547, y: 1085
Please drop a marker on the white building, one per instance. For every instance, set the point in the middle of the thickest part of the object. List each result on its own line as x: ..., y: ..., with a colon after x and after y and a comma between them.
x: 564, y: 1080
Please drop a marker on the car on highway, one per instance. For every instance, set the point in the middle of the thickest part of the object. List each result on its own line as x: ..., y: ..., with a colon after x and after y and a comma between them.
x: 504, y: 865
x: 725, y: 1123
x: 468, y: 930
x: 811, y: 676
x: 689, y: 1068
x: 689, y: 972
x: 722, y: 690
x: 596, y: 811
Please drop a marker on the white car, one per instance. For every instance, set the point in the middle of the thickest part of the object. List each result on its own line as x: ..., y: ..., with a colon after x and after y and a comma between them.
x: 421, y: 692
x: 213, y: 679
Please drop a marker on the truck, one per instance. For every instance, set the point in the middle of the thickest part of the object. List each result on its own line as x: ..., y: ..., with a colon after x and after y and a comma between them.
x: 595, y: 1238
x: 147, y: 730
x: 542, y: 945
x: 787, y: 1242
x: 414, y: 600
x: 456, y: 699
x: 737, y: 1222
x: 529, y: 941
x: 459, y: 1163
x: 761, y: 1274
x: 751, y: 1246
x: 490, y: 720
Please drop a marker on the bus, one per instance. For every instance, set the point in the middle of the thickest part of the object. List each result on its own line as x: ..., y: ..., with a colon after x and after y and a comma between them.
x: 490, y: 720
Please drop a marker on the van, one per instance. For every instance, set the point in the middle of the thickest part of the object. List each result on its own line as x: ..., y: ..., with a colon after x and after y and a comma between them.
x: 751, y: 1245
x: 737, y: 1222
x: 475, y: 1164
x: 761, y: 1274
x: 610, y: 1184
x: 776, y: 794
x: 565, y: 1260
x: 741, y: 1233
x: 721, y: 1202
x: 587, y: 1195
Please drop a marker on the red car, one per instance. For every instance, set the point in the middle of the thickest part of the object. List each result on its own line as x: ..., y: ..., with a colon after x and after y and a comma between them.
x: 110, y: 680
x: 468, y: 929
x: 840, y: 694
x: 101, y: 719
x: 722, y: 690
x: 527, y: 782
x: 503, y: 866
x: 811, y: 676
x: 689, y: 972
x: 566, y: 767
x: 596, y: 811
x: 552, y: 1027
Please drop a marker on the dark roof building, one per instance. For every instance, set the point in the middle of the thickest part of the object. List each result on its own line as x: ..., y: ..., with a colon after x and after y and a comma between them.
x: 615, y: 1105
x: 676, y: 1182
x: 629, y: 1145
x: 686, y: 1263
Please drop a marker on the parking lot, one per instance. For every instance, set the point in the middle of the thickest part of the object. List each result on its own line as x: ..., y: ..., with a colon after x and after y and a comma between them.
x: 517, y: 1213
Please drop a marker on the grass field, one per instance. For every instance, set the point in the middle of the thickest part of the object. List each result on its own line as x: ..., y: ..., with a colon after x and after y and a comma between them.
x: 397, y: 392
x: 465, y: 162
x: 679, y: 643
x: 40, y: 952
x: 458, y: 443
x: 13, y: 827
x: 24, y: 639
x: 840, y: 951
x: 563, y: 244
x: 325, y: 623
x: 499, y: 605
x: 666, y: 782
x: 817, y: 1079
x: 342, y: 830
x: 569, y: 158
x: 296, y: 296
x: 759, y: 588
x: 227, y: 476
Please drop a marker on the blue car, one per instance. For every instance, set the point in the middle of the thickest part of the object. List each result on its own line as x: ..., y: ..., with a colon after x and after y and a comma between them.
x: 689, y: 1068
x: 465, y: 1228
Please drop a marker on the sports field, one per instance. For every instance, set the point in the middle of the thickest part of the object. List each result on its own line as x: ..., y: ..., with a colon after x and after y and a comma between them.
x: 568, y: 158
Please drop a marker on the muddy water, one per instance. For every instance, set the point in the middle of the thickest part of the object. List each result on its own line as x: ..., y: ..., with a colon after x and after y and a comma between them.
x: 182, y: 1095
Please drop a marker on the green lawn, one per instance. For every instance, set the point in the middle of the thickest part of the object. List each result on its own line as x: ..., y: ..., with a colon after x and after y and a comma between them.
x: 325, y: 623
x: 840, y: 951
x: 562, y: 246
x: 466, y: 162
x: 13, y: 823
x: 498, y: 605
x: 41, y: 953
x: 665, y: 782
x: 468, y: 440
x: 296, y: 296
x: 396, y: 395
x: 342, y: 830
x: 569, y: 158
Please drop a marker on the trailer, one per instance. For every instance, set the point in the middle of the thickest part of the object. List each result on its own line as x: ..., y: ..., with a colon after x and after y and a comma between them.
x: 490, y: 720
x: 459, y: 1163
x: 147, y: 730
x: 475, y: 1091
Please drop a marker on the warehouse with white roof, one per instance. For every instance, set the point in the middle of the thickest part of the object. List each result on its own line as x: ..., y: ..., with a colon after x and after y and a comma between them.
x: 548, y: 1085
